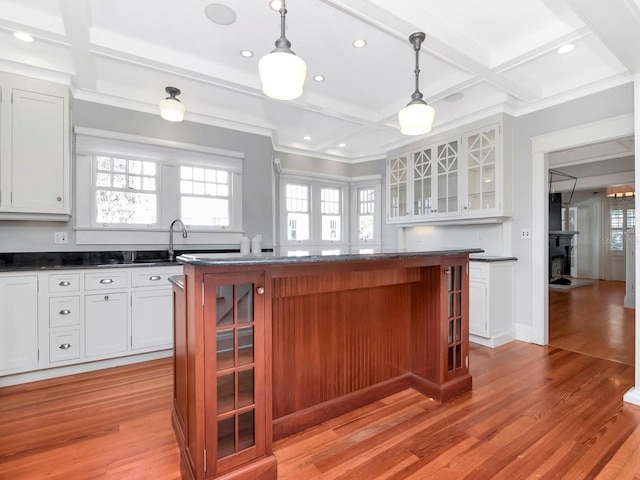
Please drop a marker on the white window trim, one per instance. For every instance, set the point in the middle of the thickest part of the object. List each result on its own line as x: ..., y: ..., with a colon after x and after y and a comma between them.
x: 169, y: 155
x: 350, y: 242
x: 316, y: 182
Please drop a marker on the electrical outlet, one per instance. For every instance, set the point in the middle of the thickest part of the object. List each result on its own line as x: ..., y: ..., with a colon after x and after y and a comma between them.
x: 525, y: 233
x: 60, y: 237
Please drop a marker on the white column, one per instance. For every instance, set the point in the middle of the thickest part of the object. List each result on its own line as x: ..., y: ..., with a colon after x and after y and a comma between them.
x: 633, y: 395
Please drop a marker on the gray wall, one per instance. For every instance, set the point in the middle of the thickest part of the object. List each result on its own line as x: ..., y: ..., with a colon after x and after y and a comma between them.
x: 20, y: 236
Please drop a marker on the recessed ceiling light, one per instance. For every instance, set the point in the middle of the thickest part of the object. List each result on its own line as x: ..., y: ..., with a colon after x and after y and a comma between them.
x: 318, y: 78
x: 342, y: 144
x: 246, y: 53
x: 25, y: 37
x: 566, y: 48
x: 359, y: 43
x: 454, y: 97
x: 220, y: 14
x: 275, y: 4
x: 307, y: 137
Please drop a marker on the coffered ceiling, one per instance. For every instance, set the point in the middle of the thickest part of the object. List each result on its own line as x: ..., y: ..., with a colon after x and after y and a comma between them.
x: 479, y: 58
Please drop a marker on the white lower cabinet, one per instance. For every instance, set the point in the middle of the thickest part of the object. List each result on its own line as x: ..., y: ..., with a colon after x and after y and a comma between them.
x: 152, y: 319
x: 491, y: 303
x: 18, y: 323
x: 58, y: 320
x: 105, y: 324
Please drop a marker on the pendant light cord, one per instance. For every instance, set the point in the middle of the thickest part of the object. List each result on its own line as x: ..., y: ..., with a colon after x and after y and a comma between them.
x: 417, y: 39
x: 282, y: 44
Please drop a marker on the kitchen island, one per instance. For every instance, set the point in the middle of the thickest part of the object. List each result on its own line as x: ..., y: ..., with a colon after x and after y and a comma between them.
x: 272, y: 345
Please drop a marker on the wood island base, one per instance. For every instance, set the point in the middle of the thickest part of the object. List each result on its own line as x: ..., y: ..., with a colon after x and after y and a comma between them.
x: 265, y: 348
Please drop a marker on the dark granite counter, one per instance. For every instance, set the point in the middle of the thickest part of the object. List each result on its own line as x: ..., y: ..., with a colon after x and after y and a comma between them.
x: 490, y: 258
x: 22, y: 261
x: 226, y: 259
x: 177, y: 280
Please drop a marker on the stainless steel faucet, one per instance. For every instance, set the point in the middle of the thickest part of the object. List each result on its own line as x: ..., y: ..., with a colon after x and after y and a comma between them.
x: 184, y: 235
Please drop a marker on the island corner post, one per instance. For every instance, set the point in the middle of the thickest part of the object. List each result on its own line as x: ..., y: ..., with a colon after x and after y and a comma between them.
x: 266, y: 347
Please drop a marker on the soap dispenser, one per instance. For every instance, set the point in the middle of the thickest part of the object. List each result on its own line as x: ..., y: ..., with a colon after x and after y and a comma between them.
x: 256, y: 245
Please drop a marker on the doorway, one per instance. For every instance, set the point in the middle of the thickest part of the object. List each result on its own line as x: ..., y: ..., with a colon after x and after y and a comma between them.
x: 542, y: 147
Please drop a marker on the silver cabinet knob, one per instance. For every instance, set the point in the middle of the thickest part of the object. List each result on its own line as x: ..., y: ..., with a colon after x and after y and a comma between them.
x: 64, y: 283
x: 64, y: 312
x: 260, y: 290
x: 106, y: 281
x: 65, y: 346
x: 155, y: 278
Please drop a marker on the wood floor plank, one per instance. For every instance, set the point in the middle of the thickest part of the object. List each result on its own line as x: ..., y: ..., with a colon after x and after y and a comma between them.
x: 533, y: 412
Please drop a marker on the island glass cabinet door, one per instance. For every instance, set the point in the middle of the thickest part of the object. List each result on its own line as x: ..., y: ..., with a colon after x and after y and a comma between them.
x: 235, y: 413
x: 456, y: 316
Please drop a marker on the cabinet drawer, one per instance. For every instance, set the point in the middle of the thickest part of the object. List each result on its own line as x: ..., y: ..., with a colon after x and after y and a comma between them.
x: 150, y: 278
x: 478, y: 271
x: 64, y: 345
x: 64, y: 311
x: 64, y: 283
x: 105, y: 280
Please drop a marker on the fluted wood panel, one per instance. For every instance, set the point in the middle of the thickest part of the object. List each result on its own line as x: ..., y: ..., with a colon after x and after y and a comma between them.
x: 346, y: 280
x: 333, y: 344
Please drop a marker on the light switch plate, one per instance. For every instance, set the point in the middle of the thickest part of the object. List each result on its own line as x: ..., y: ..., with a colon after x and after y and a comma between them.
x: 60, y: 237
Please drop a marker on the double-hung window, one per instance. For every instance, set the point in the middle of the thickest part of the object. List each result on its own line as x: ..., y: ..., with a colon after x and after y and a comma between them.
x: 126, y: 191
x: 623, y: 218
x: 205, y: 195
x: 129, y: 189
x: 329, y: 216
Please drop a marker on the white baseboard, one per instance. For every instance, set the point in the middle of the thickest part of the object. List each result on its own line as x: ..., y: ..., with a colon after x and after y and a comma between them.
x: 48, y: 373
x: 495, y: 341
x: 632, y: 396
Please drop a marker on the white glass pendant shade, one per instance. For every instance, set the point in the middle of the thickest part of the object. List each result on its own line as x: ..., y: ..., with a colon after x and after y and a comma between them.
x: 282, y: 75
x: 172, y: 110
x: 416, y: 118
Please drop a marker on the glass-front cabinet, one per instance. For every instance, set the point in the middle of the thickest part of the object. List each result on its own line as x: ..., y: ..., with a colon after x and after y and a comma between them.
x: 460, y: 178
x: 456, y: 316
x: 234, y: 358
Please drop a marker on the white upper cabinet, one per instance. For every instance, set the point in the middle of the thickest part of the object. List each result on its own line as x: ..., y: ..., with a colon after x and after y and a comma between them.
x: 34, y: 150
x: 463, y: 179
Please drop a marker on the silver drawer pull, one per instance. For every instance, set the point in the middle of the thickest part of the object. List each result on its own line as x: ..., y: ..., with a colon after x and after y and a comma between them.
x: 106, y: 281
x: 106, y: 297
x: 64, y: 283
x: 64, y: 312
x: 155, y: 278
x: 65, y: 346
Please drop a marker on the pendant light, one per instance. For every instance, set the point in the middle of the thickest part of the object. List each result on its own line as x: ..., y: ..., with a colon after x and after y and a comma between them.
x: 417, y: 117
x: 171, y: 108
x: 282, y: 72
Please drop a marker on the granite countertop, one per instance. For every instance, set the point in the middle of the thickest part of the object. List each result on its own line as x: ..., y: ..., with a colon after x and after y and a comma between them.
x: 25, y: 261
x: 490, y: 258
x: 177, y: 280
x: 220, y: 259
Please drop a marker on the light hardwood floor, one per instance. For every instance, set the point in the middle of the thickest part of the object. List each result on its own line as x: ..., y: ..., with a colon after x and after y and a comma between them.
x: 592, y: 320
x: 534, y: 412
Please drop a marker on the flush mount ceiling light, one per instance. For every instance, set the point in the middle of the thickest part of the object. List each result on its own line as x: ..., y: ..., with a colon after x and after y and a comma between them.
x: 24, y: 36
x: 282, y: 72
x: 318, y: 78
x: 417, y: 117
x: 359, y: 43
x: 246, y: 53
x: 171, y: 109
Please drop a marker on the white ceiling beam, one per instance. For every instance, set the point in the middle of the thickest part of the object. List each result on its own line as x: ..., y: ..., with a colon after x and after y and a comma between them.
x: 76, y: 17
x: 617, y: 24
x: 390, y: 22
